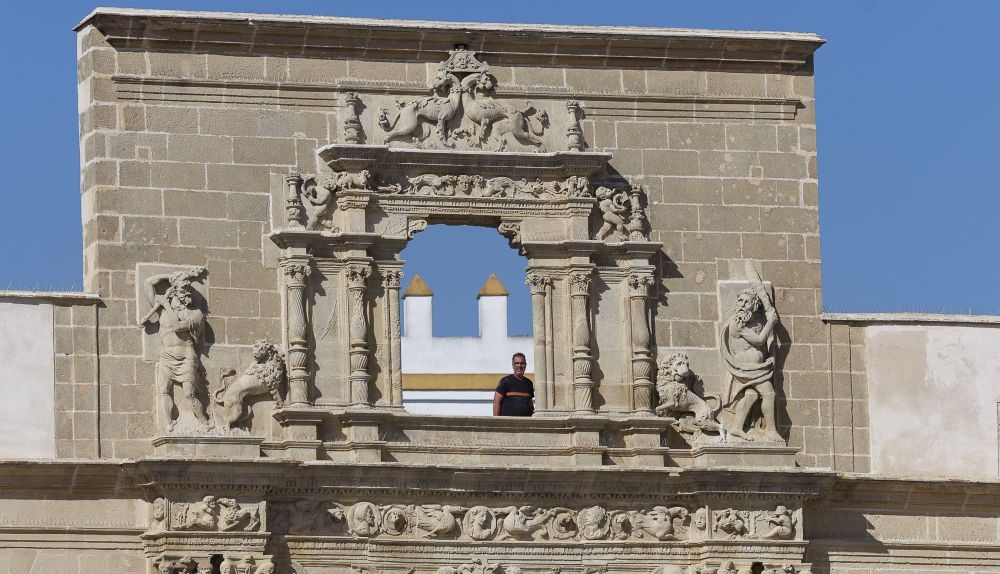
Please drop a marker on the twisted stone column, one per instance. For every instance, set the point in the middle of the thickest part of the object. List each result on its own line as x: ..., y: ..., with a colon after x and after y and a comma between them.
x: 642, y: 356
x: 357, y: 279
x: 583, y: 385
x: 352, y: 124
x: 393, y: 277
x: 538, y: 285
x: 296, y: 271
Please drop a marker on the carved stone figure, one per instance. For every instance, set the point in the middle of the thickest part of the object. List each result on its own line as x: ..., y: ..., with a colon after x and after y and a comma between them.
x: 158, y: 515
x: 227, y: 566
x: 215, y: 514
x: 673, y: 385
x: 594, y: 522
x: 476, y: 566
x: 783, y: 525
x: 364, y: 519
x: 747, y: 347
x: 264, y: 376
x: 526, y: 125
x: 526, y: 522
x: 187, y: 565
x: 659, y: 522
x: 164, y: 566
x: 181, y: 328
x: 317, y: 200
x: 232, y: 516
x: 353, y: 132
x: 614, y: 208
x: 201, y: 515
x: 728, y: 568
x: 730, y: 523
x: 434, y: 520
x: 700, y: 520
x: 245, y: 565
x: 396, y: 520
x: 437, y: 110
x: 480, y: 523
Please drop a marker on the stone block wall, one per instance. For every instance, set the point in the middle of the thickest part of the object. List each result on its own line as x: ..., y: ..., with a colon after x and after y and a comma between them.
x: 181, y: 143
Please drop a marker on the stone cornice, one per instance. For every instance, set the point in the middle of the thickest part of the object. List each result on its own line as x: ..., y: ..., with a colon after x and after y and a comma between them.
x: 54, y: 297
x: 408, y: 40
x: 910, y: 319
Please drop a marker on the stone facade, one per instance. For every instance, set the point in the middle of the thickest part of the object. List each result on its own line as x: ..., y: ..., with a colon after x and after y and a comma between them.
x: 248, y: 183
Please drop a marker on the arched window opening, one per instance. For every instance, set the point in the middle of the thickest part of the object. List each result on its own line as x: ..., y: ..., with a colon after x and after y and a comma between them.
x: 465, y: 311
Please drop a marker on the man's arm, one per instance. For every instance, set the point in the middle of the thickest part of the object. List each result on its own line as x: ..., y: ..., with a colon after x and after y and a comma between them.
x: 497, y: 399
x: 758, y: 339
x: 149, y: 286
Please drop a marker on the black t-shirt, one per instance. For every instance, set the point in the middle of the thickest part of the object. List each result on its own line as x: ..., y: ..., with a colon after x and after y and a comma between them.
x: 517, y: 406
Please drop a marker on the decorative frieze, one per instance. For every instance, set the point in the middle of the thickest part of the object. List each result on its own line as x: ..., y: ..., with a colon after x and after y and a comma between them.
x: 210, y: 514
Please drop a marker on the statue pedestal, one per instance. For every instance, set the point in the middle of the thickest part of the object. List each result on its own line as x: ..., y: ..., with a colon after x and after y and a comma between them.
x: 207, y: 446
x: 300, y: 431
x: 743, y: 454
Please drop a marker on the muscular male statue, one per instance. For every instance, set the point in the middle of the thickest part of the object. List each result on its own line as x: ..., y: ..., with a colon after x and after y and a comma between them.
x: 747, y: 349
x: 181, y: 326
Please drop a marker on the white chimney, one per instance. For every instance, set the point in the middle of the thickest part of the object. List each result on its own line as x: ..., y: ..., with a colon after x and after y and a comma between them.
x: 492, y: 309
x: 417, y: 309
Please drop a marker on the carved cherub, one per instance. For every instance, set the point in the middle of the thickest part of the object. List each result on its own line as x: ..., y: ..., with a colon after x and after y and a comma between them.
x: 232, y: 515
x: 659, y: 522
x: 614, y: 206
x: 318, y: 200
x: 264, y: 376
x: 164, y: 566
x: 783, y: 528
x: 526, y: 522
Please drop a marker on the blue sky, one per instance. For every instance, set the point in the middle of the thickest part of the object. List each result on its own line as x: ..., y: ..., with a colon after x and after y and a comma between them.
x: 907, y: 129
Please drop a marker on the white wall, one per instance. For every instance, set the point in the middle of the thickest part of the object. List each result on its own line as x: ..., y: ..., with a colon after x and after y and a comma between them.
x: 456, y: 403
x: 489, y: 353
x: 27, y: 419
x: 933, y: 400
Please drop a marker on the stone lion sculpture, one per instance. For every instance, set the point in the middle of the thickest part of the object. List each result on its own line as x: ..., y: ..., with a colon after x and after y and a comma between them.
x: 673, y: 385
x: 264, y: 376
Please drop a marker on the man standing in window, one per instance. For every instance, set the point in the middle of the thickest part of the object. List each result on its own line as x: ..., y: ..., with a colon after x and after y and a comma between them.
x: 514, y: 394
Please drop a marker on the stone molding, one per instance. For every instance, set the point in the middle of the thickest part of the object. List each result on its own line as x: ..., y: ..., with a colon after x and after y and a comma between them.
x: 610, y: 46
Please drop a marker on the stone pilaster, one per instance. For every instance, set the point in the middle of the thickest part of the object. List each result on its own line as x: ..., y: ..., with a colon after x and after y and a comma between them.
x: 295, y: 212
x: 357, y: 281
x: 642, y: 356
x: 583, y: 384
x: 539, y: 284
x: 393, y: 277
x: 297, y: 269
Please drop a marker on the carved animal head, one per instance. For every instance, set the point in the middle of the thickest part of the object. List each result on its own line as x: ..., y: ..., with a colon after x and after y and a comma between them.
x: 747, y: 303
x: 673, y: 368
x: 442, y: 80
x: 264, y: 350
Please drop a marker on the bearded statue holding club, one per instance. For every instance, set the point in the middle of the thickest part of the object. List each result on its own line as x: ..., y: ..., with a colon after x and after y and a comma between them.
x: 747, y: 344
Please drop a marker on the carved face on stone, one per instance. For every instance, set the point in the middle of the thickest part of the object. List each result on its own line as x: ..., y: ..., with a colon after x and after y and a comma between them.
x: 395, y: 520
x: 747, y: 303
x: 674, y: 368
x: 179, y: 295
x: 159, y: 509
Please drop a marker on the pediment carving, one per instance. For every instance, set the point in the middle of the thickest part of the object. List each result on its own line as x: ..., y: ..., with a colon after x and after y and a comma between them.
x: 463, y: 112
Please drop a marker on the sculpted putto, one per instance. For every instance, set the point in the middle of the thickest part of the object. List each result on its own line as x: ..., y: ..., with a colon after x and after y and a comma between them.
x: 435, y: 110
x: 747, y: 347
x: 264, y: 376
x: 181, y: 326
x: 673, y: 386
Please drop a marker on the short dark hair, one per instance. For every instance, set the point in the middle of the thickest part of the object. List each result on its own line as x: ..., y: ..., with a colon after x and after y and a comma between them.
x: 518, y: 354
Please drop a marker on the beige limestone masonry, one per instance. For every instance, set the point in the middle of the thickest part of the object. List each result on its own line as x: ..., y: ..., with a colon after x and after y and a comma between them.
x: 231, y: 402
